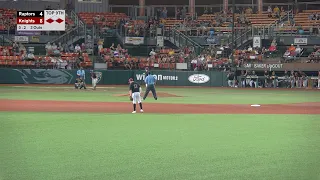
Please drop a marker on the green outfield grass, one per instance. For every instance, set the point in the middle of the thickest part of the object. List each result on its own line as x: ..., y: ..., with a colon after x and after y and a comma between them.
x: 117, y: 146
x: 190, y: 95
x: 97, y: 146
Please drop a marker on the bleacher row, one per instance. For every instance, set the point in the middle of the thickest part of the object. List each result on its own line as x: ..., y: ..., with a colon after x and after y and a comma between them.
x: 301, y: 19
x: 14, y: 61
x: 111, y: 19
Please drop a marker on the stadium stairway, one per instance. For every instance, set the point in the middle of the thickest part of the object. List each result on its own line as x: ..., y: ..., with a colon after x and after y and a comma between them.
x: 74, y: 34
x: 180, y: 40
x: 5, y: 40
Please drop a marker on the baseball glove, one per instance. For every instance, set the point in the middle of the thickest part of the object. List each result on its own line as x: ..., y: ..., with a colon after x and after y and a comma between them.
x: 131, y: 98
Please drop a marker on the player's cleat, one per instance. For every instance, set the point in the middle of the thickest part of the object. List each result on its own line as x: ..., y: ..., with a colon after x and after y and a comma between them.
x: 156, y: 98
x: 141, y: 110
x: 133, y: 112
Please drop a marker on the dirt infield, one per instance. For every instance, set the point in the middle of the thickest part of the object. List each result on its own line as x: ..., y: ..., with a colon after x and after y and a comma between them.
x: 160, y: 94
x: 109, y: 107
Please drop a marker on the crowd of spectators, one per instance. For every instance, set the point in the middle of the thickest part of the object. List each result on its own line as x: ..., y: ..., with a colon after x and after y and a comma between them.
x: 314, y: 57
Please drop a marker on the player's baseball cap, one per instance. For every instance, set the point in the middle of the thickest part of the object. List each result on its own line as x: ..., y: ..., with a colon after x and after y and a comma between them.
x: 130, y: 80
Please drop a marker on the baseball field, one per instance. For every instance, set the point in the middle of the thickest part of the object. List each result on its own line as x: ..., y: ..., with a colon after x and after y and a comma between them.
x: 59, y: 133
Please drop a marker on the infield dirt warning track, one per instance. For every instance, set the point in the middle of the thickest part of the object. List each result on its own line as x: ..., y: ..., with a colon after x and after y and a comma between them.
x: 159, y: 108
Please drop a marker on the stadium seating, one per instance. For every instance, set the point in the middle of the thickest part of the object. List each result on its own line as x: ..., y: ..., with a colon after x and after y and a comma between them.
x: 105, y: 19
x: 45, y: 61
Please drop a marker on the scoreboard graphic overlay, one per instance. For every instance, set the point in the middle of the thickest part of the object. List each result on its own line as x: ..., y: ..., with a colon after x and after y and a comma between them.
x: 47, y: 20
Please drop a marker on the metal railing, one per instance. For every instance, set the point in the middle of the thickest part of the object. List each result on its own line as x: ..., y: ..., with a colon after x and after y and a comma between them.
x: 181, y: 40
x: 241, y: 38
x: 5, y: 41
x: 74, y: 33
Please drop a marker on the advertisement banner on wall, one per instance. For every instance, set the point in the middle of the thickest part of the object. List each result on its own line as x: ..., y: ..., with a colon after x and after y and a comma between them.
x: 22, y: 39
x: 134, y: 40
x: 256, y: 42
x: 35, y: 39
x: 263, y: 66
x: 160, y: 41
x: 300, y: 41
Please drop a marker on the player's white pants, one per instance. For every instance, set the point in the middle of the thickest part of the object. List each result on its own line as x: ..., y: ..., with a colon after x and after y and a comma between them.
x: 94, y: 82
x: 319, y: 83
x: 136, y: 98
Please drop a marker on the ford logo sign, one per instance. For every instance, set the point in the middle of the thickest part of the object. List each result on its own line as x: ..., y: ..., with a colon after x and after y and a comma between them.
x: 199, y: 78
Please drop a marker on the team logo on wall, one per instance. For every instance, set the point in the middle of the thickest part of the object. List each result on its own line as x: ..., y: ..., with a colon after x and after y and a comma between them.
x: 45, y: 76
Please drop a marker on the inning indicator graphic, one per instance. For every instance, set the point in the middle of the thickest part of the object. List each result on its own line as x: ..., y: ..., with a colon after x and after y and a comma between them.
x: 47, y: 20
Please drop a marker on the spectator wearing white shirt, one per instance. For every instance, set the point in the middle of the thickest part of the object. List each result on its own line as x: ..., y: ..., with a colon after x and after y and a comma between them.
x: 48, y: 48
x: 152, y: 53
x: 77, y: 48
x: 54, y: 47
x: 30, y: 56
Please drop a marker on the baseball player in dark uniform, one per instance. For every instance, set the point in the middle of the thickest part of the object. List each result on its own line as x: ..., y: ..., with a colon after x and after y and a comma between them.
x: 150, y: 81
x: 134, y: 91
x: 94, y: 80
x: 79, y: 84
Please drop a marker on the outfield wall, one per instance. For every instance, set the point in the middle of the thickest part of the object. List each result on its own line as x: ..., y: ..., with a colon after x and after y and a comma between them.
x: 112, y: 77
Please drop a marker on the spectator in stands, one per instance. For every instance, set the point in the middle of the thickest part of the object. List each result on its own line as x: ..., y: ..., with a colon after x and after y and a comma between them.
x: 55, y: 51
x: 314, y: 16
x: 112, y: 47
x: 79, y: 59
x: 48, y: 48
x: 30, y: 56
x: 152, y: 53
x: 178, y: 13
x: 292, y: 48
x: 15, y: 48
x: 269, y: 11
x: 54, y: 47
x: 292, y: 22
x: 276, y: 12
x: 282, y: 11
x: 127, y: 64
x: 249, y: 10
x: 22, y: 48
x: 164, y: 13
x: 83, y: 47
x: 5, y: 52
x: 158, y: 14
x: 71, y: 48
x: 119, y: 48
x: 77, y: 48
x: 24, y: 55
x: 183, y: 13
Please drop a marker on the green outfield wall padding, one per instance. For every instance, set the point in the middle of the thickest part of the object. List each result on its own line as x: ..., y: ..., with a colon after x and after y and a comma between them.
x: 112, y: 77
